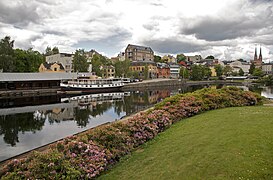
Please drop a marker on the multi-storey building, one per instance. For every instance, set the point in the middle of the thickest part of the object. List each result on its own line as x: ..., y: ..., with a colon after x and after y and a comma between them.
x: 108, y: 71
x: 174, y: 70
x: 163, y: 70
x: 64, y: 58
x: 139, y: 53
x: 267, y: 68
x: 139, y: 68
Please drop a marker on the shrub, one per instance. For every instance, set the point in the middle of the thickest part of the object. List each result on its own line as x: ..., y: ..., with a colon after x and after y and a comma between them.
x: 85, y: 156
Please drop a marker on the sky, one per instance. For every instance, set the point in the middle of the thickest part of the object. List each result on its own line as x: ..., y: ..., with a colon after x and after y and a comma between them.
x: 226, y: 29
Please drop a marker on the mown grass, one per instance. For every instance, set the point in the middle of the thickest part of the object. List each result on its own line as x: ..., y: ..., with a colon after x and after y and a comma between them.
x: 231, y: 143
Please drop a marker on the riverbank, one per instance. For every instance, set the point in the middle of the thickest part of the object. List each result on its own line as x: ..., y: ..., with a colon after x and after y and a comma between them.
x: 231, y: 143
x: 90, y: 153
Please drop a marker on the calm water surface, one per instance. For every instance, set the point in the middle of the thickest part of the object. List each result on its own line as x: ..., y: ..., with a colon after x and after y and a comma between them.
x: 28, y: 123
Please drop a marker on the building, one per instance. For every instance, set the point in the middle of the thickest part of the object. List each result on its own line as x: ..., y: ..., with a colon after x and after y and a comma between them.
x: 64, y: 58
x: 51, y: 67
x: 194, y: 58
x: 139, y: 53
x: 163, y: 70
x: 138, y: 68
x: 237, y: 65
x: 258, y: 61
x: 169, y: 59
x: 267, y: 68
x: 108, y: 71
x: 174, y: 70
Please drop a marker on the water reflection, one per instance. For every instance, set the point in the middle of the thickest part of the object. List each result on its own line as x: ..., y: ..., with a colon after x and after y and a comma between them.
x: 33, y: 122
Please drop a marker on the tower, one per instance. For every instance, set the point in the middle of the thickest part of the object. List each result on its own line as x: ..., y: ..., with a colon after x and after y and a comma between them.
x: 255, y: 55
x: 260, y: 56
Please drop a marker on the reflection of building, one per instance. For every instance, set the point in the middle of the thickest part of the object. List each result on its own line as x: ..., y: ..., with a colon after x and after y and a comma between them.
x: 139, y: 53
x: 64, y: 58
x: 51, y: 67
x: 139, y: 68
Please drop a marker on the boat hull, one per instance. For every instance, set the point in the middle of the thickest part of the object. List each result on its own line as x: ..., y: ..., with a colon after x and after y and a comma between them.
x: 73, y: 90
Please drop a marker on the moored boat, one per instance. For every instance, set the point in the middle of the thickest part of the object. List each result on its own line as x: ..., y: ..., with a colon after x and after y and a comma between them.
x: 91, y: 85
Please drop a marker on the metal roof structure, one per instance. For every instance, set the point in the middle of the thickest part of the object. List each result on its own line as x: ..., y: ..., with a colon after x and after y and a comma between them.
x: 4, y: 77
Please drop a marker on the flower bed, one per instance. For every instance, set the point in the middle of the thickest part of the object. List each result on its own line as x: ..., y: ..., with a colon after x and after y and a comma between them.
x: 86, y: 155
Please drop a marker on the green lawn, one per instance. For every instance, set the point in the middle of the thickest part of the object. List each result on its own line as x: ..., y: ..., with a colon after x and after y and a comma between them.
x: 231, y: 143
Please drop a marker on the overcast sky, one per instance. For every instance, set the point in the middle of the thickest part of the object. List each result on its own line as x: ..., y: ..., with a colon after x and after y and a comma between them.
x: 227, y: 29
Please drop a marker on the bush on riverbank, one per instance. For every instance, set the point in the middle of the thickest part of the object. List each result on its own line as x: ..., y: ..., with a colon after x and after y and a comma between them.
x: 89, y: 154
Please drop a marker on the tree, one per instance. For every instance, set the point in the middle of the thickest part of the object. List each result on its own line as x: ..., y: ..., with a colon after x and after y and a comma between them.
x: 27, y: 60
x: 180, y: 57
x: 80, y: 63
x: 146, y: 71
x: 227, y: 70
x: 122, y: 68
x: 241, y: 72
x: 184, y: 73
x: 210, y: 57
x: 219, y: 70
x: 252, y: 67
x: 49, y: 51
x: 257, y: 72
x: 7, y: 60
x: 55, y: 50
x: 157, y: 58
x: 206, y: 72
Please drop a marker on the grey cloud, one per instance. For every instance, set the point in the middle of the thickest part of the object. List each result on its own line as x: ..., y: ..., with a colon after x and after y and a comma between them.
x: 151, y: 26
x: 53, y: 32
x: 20, y: 14
x: 173, y: 46
x: 221, y: 28
x: 156, y: 4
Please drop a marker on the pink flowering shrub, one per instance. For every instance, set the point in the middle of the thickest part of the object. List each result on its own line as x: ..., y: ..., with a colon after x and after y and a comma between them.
x: 85, y: 156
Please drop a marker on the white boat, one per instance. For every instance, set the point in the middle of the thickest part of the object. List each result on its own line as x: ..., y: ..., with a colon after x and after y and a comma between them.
x: 85, y: 84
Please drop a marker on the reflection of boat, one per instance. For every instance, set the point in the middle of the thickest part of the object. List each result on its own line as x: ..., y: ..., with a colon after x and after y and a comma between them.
x: 83, y: 103
x: 91, y: 85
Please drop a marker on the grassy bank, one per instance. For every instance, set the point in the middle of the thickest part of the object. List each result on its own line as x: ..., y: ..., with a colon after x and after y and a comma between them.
x: 89, y: 154
x: 232, y: 143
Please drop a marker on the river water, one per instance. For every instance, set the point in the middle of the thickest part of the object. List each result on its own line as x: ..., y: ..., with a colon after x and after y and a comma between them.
x: 28, y: 123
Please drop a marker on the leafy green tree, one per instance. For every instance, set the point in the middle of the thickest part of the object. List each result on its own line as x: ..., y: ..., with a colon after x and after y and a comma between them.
x: 206, y: 71
x: 227, y: 70
x: 7, y: 60
x: 122, y: 68
x: 55, y: 50
x: 252, y: 67
x: 49, y: 51
x: 219, y: 70
x: 241, y: 72
x: 210, y: 57
x: 258, y: 72
x: 80, y: 63
x: 146, y: 72
x: 184, y: 73
x: 197, y: 72
x: 157, y: 58
x: 180, y: 57
x: 96, y: 63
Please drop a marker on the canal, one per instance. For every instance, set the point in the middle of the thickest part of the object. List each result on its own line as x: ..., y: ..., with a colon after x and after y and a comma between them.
x: 31, y: 122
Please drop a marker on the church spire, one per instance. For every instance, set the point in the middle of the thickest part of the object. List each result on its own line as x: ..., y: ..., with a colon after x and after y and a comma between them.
x: 255, y: 55
x: 260, y: 56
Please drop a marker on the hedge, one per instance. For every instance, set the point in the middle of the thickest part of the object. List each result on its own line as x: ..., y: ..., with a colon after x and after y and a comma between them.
x: 87, y: 155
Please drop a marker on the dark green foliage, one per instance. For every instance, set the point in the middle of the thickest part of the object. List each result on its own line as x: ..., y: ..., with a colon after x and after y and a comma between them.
x: 80, y: 63
x: 180, y: 57
x: 241, y: 72
x: 122, y: 68
x: 200, y: 72
x: 7, y: 59
x: 157, y: 58
x: 219, y: 70
x: 210, y: 57
x: 184, y: 73
x: 252, y: 68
